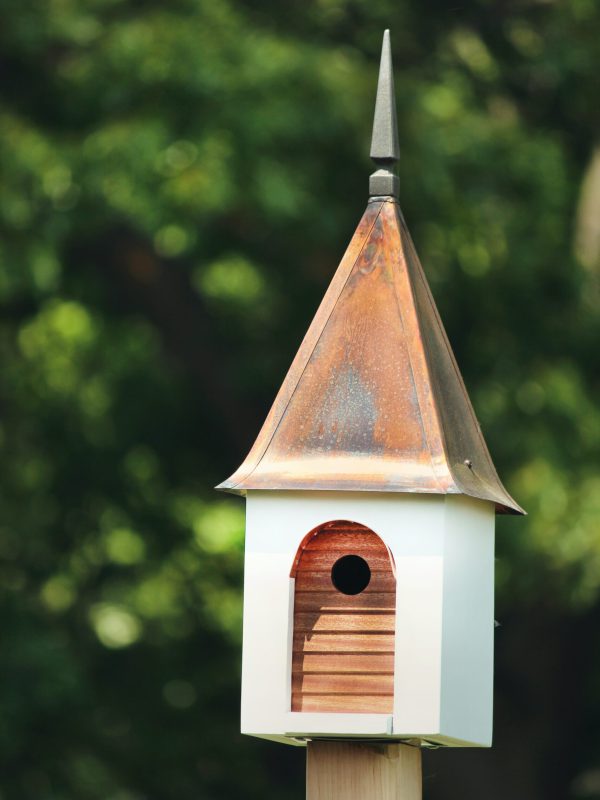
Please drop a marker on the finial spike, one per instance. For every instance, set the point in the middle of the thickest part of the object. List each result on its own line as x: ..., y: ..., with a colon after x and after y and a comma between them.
x: 385, y: 150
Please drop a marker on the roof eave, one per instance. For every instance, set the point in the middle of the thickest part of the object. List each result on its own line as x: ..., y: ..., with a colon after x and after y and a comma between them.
x: 503, y: 505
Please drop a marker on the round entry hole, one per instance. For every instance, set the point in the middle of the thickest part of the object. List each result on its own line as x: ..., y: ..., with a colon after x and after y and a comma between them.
x: 350, y: 574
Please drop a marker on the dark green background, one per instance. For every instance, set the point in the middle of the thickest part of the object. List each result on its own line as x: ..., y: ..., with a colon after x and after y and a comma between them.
x: 179, y: 180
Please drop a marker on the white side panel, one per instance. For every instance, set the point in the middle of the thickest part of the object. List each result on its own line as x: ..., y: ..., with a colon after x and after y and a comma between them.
x: 468, y: 622
x: 415, y: 536
x: 413, y: 528
x: 265, y: 690
x: 418, y: 661
x: 271, y: 544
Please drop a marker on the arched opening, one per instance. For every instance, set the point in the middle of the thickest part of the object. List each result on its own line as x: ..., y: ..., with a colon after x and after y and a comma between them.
x: 344, y: 621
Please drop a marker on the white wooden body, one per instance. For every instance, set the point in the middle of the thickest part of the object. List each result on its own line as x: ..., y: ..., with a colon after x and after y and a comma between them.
x: 443, y: 549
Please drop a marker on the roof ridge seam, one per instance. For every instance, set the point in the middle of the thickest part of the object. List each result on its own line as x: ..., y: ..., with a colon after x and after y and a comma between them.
x: 399, y: 218
x: 457, y: 373
x: 454, y: 363
x: 282, y: 415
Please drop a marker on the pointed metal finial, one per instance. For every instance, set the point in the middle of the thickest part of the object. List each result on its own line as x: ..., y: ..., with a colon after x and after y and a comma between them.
x: 385, y: 150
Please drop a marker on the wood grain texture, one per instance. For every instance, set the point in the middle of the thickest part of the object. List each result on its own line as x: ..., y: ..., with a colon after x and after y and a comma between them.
x: 341, y: 536
x: 343, y: 643
x: 345, y: 622
x: 370, y: 602
x: 379, y: 560
x: 310, y: 581
x: 346, y: 704
x: 359, y: 663
x: 343, y: 647
x: 356, y: 771
x: 343, y: 683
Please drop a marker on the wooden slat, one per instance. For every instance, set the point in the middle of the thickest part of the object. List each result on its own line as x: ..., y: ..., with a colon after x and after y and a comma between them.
x: 320, y: 581
x: 344, y: 524
x: 323, y: 601
x: 343, y: 684
x: 343, y: 643
x: 363, y: 663
x: 348, y: 704
x: 325, y: 559
x: 347, y: 542
x: 343, y: 659
x: 376, y: 622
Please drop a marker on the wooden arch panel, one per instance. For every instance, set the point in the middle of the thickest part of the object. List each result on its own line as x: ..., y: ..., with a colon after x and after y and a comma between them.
x: 343, y: 646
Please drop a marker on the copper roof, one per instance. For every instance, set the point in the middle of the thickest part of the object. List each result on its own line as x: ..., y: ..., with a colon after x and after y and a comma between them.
x: 374, y: 400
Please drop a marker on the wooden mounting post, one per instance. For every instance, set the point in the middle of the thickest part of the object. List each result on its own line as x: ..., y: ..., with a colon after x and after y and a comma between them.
x: 359, y: 771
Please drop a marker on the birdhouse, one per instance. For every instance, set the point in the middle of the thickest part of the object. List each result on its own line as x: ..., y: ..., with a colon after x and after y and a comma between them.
x: 371, y: 499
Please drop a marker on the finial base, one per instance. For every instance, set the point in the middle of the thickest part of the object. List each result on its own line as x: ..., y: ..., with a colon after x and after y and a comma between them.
x: 384, y: 183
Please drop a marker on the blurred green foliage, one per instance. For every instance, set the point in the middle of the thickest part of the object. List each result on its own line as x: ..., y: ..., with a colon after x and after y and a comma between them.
x: 179, y: 181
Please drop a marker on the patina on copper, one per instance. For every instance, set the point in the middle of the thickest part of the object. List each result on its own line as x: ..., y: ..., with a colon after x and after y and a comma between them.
x: 374, y: 400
